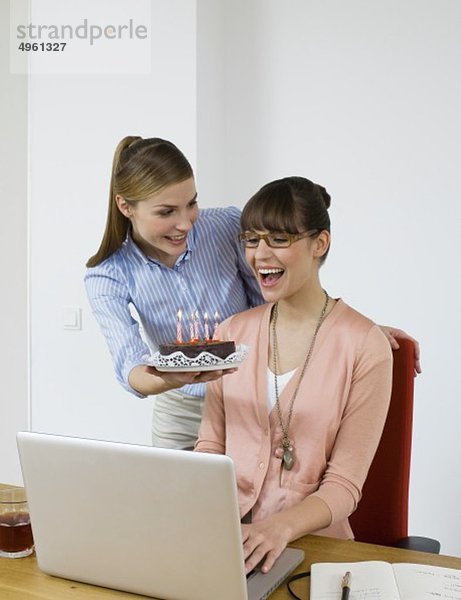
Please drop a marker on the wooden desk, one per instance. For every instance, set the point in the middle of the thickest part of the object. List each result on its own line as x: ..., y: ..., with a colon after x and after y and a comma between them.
x: 21, y: 579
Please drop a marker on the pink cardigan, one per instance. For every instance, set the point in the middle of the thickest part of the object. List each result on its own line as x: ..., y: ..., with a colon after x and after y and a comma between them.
x: 337, y: 420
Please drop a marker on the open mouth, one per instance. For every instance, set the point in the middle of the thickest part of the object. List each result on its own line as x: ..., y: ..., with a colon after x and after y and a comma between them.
x: 270, y: 277
x: 176, y: 239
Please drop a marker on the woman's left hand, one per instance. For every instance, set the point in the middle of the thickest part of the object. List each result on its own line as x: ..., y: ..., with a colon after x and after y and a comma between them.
x: 393, y: 335
x: 263, y: 540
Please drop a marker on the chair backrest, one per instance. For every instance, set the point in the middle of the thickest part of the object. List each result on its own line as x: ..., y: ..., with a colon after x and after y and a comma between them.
x: 382, y: 514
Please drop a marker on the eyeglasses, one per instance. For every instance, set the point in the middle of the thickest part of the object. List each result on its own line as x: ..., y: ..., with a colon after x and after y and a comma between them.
x: 251, y: 239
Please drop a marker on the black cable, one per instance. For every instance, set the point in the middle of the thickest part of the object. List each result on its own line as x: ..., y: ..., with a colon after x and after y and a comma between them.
x: 295, y: 578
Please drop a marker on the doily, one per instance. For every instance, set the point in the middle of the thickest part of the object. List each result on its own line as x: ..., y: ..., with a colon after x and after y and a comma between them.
x: 203, y: 362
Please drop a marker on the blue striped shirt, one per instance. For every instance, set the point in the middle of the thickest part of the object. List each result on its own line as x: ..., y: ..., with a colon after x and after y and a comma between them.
x: 212, y: 275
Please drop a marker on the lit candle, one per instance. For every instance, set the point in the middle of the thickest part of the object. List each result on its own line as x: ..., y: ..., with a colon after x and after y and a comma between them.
x: 215, y: 331
x: 191, y: 327
x: 178, y: 327
x: 206, y: 327
x: 196, y: 336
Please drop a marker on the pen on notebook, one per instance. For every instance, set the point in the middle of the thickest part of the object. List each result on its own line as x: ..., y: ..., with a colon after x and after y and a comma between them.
x: 346, y: 586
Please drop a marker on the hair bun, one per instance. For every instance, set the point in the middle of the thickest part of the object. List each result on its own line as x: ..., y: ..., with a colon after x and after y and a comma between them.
x: 326, y: 198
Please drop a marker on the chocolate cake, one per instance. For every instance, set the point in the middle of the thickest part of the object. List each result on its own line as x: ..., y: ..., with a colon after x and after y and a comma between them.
x: 193, y: 349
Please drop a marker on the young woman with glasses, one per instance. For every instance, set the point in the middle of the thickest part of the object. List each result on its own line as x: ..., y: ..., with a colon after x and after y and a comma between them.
x: 303, y: 415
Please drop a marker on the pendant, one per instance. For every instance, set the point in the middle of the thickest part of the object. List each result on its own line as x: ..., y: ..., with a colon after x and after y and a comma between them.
x: 288, y: 461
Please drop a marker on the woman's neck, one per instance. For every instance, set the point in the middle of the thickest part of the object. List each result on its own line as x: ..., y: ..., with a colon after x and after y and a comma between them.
x: 296, y: 322
x: 302, y: 308
x: 153, y: 252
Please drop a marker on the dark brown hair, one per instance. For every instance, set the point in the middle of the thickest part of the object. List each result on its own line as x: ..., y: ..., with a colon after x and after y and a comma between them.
x: 292, y: 204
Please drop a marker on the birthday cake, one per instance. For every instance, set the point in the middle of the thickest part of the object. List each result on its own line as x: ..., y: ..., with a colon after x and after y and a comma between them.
x: 220, y: 349
x: 198, y: 353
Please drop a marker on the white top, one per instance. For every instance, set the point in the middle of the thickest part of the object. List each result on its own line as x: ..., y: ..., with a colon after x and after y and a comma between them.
x: 282, y: 380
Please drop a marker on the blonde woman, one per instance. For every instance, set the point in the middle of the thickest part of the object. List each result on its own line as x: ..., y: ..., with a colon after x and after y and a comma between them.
x: 158, y: 255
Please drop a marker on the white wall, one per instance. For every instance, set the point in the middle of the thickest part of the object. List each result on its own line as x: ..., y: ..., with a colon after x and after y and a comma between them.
x: 211, y: 103
x: 14, y: 407
x: 361, y: 96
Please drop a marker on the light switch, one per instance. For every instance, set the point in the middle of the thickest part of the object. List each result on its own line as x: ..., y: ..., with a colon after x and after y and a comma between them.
x: 72, y: 317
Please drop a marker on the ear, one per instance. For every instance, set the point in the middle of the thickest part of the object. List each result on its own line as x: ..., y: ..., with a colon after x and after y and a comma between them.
x: 321, y: 243
x: 123, y: 206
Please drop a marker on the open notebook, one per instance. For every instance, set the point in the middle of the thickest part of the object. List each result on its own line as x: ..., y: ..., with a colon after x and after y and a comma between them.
x: 378, y: 580
x: 164, y: 523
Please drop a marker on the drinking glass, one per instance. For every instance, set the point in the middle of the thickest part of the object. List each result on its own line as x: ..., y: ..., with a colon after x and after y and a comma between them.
x: 15, y: 530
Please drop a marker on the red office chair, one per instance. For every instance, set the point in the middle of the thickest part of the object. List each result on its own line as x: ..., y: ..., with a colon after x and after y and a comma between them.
x: 382, y: 513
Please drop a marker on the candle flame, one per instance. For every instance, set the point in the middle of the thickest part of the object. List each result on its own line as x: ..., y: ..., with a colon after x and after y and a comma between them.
x: 179, y: 314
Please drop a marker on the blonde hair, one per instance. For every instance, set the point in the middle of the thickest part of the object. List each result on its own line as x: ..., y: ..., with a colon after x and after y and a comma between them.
x: 140, y: 169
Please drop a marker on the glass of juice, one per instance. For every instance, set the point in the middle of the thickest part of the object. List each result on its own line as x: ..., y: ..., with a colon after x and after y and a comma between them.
x: 15, y: 530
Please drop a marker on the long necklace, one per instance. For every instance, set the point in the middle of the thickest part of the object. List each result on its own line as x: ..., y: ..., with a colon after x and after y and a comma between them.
x: 286, y: 444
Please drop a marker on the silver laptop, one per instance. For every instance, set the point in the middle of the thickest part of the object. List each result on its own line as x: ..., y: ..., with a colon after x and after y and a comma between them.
x: 164, y: 523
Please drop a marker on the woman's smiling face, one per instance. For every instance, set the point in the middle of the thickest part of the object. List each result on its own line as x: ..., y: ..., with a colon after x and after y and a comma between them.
x: 286, y: 272
x: 161, y: 223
